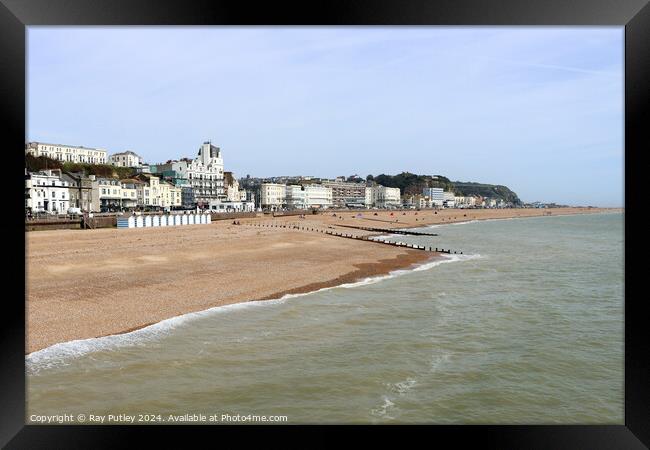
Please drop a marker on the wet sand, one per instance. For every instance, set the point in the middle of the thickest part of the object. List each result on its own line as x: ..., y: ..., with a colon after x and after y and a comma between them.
x: 89, y: 283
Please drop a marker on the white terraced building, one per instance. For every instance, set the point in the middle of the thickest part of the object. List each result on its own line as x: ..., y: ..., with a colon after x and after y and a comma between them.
x: 45, y: 191
x: 67, y: 153
x: 308, y: 196
x: 273, y: 196
x: 464, y: 201
x: 384, y: 197
x: 449, y: 199
x: 126, y: 159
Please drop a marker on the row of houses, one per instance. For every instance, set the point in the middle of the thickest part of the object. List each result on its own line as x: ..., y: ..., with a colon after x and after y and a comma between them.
x: 321, y: 194
x: 81, y: 154
x: 199, y: 182
x: 56, y: 191
x: 202, y: 183
x: 438, y: 198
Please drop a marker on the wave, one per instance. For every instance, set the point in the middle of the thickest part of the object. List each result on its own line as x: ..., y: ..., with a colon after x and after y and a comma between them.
x: 382, y: 410
x: 60, y: 354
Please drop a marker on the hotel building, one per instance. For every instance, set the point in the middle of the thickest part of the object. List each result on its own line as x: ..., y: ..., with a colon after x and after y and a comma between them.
x: 308, y: 196
x: 201, y: 177
x: 67, y: 153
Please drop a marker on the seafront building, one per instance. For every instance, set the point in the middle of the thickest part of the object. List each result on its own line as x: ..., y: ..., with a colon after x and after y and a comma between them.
x: 232, y: 188
x: 345, y: 193
x: 45, y: 191
x: 449, y: 200
x: 170, y: 195
x: 231, y: 206
x: 465, y: 201
x: 83, y: 191
x: 129, y: 193
x: 110, y: 194
x: 67, y: 153
x: 202, y: 177
x: 126, y: 159
x: 308, y: 196
x: 436, y: 195
x: 148, y: 191
x: 273, y: 196
x: 384, y: 197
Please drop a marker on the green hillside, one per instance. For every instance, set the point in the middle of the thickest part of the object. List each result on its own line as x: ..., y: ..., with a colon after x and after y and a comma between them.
x: 34, y: 164
x: 486, y: 190
x: 411, y: 184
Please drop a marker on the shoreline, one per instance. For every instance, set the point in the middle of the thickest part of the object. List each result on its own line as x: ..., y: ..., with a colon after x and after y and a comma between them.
x: 366, y: 271
x: 145, y: 276
x: 61, y: 311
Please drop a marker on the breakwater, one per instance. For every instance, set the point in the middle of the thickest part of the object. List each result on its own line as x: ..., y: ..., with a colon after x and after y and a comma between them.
x: 358, y: 238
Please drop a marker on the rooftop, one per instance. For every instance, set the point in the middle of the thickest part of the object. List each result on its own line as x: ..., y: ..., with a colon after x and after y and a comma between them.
x: 128, y: 152
x: 35, y: 143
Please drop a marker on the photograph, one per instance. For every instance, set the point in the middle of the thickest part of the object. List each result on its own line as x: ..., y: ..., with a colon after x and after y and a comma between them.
x: 256, y: 225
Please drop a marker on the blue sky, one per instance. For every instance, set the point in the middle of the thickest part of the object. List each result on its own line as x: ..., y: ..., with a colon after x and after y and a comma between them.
x: 539, y: 109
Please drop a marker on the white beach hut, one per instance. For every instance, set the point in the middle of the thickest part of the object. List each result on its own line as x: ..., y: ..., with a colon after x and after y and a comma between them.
x: 208, y: 218
x: 190, y: 219
x: 139, y: 221
x: 126, y: 222
x: 184, y: 219
x: 155, y: 221
x: 203, y: 218
x: 178, y: 219
x: 147, y: 221
x: 163, y: 220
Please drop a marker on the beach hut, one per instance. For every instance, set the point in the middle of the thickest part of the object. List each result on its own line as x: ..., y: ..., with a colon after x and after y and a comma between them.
x: 178, y: 219
x: 208, y: 218
x: 155, y: 221
x: 126, y: 222
x: 139, y: 221
x: 147, y: 221
x: 203, y: 218
x: 163, y: 220
x: 184, y: 219
x: 190, y: 219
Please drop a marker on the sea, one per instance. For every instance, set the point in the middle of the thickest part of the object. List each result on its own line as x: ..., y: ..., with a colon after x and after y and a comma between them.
x: 525, y: 327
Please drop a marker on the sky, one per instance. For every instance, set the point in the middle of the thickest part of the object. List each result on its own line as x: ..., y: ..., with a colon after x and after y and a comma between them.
x: 538, y: 109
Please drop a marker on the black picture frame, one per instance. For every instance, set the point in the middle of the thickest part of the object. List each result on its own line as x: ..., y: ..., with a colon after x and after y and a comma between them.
x: 634, y: 15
